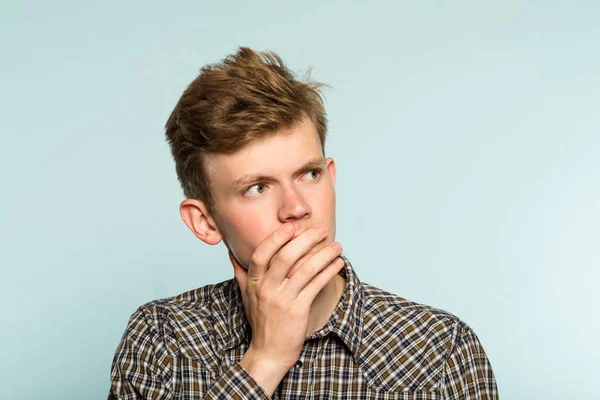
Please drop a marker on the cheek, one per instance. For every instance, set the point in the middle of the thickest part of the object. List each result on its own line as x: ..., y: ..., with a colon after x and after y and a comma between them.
x: 244, y: 231
x: 329, y: 213
x: 324, y: 203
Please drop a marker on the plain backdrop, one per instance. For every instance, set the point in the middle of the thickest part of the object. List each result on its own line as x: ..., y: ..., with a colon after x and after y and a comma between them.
x: 466, y: 136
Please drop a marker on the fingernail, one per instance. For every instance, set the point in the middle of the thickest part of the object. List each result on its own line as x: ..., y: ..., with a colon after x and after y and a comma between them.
x: 322, y: 229
x: 336, y: 246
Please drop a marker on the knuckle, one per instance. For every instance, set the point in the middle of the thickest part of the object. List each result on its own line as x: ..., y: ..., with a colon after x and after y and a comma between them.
x: 262, y: 293
x: 306, y: 272
x: 255, y: 259
x: 296, y: 313
x: 278, y: 306
x: 279, y: 259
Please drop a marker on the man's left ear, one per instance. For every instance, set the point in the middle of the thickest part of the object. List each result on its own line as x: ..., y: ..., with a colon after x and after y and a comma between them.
x: 331, y: 168
x: 196, y: 216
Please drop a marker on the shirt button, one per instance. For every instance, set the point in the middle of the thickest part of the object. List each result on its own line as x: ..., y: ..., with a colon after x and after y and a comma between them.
x: 298, y: 364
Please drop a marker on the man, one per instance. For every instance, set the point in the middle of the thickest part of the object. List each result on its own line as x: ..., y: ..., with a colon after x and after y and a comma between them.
x: 248, y: 141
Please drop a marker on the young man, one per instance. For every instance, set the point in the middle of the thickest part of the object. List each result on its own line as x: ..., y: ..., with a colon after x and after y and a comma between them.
x: 248, y: 141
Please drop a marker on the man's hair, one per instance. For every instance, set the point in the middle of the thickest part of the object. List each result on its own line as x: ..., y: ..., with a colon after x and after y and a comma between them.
x: 248, y: 95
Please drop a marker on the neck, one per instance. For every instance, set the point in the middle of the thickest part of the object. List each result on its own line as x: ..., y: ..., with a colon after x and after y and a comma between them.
x: 324, y: 304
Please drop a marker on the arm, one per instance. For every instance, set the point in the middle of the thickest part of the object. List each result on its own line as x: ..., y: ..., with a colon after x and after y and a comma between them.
x: 281, y: 282
x: 140, y: 365
x: 468, y: 373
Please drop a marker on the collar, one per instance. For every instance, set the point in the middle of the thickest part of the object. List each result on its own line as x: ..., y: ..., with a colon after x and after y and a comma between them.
x: 346, y: 321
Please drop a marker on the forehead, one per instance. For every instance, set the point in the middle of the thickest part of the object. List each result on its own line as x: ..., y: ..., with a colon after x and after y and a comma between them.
x: 273, y: 155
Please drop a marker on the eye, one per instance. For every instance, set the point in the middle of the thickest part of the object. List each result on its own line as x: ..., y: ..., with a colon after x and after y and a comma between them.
x: 312, y: 175
x: 255, y: 190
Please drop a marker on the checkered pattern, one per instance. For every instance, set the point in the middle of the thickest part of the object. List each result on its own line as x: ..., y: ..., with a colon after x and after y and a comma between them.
x: 375, y: 346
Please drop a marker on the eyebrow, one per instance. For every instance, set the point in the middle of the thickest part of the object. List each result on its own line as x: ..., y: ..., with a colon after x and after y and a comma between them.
x: 247, y: 179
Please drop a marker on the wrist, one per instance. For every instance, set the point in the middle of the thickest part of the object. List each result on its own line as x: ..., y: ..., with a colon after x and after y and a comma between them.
x: 265, y: 371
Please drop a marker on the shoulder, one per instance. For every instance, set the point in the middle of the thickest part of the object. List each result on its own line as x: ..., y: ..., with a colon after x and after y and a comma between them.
x: 408, y: 337
x: 385, y: 306
x: 196, y: 299
x: 195, y: 309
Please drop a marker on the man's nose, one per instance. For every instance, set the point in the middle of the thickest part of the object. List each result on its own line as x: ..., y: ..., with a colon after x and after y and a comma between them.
x: 293, y: 205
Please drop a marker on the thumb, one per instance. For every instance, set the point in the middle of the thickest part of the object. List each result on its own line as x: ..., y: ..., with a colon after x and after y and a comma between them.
x: 240, y: 272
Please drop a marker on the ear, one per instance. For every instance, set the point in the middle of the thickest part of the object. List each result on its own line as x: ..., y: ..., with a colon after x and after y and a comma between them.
x: 196, y: 216
x: 331, y: 168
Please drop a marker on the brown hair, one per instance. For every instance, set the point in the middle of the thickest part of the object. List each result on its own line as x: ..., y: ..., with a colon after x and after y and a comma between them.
x: 247, y: 95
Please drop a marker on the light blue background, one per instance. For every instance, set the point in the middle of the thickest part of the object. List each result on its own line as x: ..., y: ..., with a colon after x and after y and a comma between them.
x: 466, y: 136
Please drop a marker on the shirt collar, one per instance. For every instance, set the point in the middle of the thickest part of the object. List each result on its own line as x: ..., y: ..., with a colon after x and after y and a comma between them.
x: 235, y: 324
x: 346, y: 321
x: 349, y: 326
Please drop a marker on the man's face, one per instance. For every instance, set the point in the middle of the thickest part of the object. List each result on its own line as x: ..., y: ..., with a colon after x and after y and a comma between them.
x: 273, y: 180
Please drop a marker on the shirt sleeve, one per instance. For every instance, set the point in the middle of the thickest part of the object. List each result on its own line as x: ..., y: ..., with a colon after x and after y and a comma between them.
x: 468, y: 372
x: 236, y: 383
x: 142, y: 369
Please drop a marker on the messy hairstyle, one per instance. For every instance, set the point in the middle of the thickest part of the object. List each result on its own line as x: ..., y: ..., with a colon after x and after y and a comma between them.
x: 248, y: 95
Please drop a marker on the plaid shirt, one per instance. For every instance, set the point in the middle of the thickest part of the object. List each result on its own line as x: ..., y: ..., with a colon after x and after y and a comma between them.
x: 375, y: 346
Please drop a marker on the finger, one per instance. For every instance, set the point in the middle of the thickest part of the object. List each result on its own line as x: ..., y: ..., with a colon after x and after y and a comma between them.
x: 298, y: 264
x: 241, y: 275
x: 285, y: 259
x: 263, y: 253
x: 313, y: 266
x: 312, y: 289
